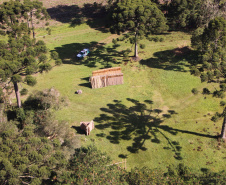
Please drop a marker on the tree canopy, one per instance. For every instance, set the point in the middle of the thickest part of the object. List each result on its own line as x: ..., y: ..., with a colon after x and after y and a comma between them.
x: 139, y: 17
x: 191, y: 13
x: 211, y: 43
x: 17, y: 17
x: 19, y: 57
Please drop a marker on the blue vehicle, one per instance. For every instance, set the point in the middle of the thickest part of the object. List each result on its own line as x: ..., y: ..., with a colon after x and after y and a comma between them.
x: 83, y: 53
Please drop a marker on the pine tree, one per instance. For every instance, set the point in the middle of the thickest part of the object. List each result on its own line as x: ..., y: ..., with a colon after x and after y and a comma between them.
x: 138, y: 17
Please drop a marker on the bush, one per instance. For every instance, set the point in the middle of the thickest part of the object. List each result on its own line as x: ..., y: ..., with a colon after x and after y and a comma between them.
x: 216, y: 117
x: 58, y: 62
x: 194, y: 91
x: 142, y: 46
x: 205, y: 91
x: 114, y: 41
x: 30, y: 80
x: 156, y: 39
x: 222, y: 103
x: 24, y: 91
x: 161, y: 39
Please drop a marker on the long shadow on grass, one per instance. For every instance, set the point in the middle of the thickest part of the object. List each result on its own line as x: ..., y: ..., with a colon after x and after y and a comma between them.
x: 139, y: 123
x: 93, y: 14
x: 178, y: 59
x: 99, y: 54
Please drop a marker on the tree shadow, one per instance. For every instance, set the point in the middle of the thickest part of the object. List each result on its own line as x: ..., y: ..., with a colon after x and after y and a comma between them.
x: 99, y: 54
x: 94, y: 14
x: 79, y: 130
x: 178, y: 59
x: 139, y: 123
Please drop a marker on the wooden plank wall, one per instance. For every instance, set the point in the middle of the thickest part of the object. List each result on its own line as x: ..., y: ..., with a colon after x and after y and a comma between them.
x: 106, y: 80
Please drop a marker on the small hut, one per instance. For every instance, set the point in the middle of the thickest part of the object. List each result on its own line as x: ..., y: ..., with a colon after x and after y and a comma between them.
x: 87, y: 126
x: 106, y: 77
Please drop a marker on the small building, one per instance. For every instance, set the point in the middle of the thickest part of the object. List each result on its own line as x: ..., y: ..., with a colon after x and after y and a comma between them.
x: 87, y: 126
x: 106, y: 77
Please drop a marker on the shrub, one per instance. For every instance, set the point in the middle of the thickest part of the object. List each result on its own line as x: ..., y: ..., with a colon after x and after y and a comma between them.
x: 156, y: 39
x: 30, y: 80
x: 194, y: 91
x: 114, y: 41
x: 24, y: 91
x: 161, y: 39
x: 222, y: 103
x: 58, y: 62
x: 205, y: 91
x: 142, y: 46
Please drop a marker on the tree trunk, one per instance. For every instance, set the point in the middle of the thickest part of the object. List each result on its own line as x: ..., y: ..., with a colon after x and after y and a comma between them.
x: 32, y: 25
x: 135, y: 49
x: 223, y: 130
x: 17, y: 94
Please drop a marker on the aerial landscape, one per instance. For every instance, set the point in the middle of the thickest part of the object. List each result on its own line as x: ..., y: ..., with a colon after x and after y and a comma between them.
x: 112, y: 92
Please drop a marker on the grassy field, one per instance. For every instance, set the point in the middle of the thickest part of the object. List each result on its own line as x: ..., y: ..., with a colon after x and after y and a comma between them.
x: 179, y: 128
x: 153, y: 119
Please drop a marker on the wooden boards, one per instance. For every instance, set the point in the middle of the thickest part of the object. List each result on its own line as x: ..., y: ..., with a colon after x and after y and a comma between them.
x: 109, y: 76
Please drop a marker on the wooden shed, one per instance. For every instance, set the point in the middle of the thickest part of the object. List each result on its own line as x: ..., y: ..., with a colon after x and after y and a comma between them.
x: 87, y: 126
x: 106, y: 77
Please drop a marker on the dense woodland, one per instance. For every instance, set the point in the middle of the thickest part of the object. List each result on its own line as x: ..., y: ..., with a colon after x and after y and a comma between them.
x: 35, y: 148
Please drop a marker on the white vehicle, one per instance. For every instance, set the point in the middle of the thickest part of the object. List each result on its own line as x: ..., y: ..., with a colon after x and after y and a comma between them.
x: 83, y: 53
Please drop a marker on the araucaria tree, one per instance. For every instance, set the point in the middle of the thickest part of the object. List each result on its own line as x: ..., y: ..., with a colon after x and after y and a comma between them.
x: 15, y: 16
x: 138, y: 17
x: 19, y: 58
x: 212, y: 46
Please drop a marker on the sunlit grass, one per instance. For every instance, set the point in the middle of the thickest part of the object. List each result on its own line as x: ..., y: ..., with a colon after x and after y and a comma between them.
x: 167, y: 84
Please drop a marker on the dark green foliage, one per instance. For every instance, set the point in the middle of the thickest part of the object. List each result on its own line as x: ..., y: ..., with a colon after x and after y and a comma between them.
x: 142, y: 46
x: 219, y: 94
x: 194, y: 91
x: 191, y: 13
x: 90, y: 166
x: 210, y: 43
x: 58, y: 62
x: 22, y: 159
x: 45, y: 67
x: 140, y: 18
x: 13, y: 15
x: 30, y: 80
x: 205, y: 91
x: 54, y: 55
x: 22, y: 56
x: 194, y: 71
x: 216, y: 117
x: 114, y: 41
x: 222, y: 103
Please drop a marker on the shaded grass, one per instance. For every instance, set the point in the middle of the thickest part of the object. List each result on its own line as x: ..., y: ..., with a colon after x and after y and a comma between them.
x: 162, y: 83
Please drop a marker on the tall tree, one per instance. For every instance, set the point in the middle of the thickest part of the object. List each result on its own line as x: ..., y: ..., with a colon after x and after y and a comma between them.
x: 34, y: 10
x: 26, y: 158
x: 191, y: 13
x: 13, y: 15
x: 19, y: 58
x: 212, y: 47
x: 138, y: 17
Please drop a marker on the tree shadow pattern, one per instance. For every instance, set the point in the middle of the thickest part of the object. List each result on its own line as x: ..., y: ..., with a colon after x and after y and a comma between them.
x: 94, y: 14
x: 99, y: 54
x: 139, y: 123
x: 178, y: 59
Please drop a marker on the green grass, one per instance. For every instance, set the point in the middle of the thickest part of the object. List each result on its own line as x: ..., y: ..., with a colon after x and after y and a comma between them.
x: 161, y: 77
